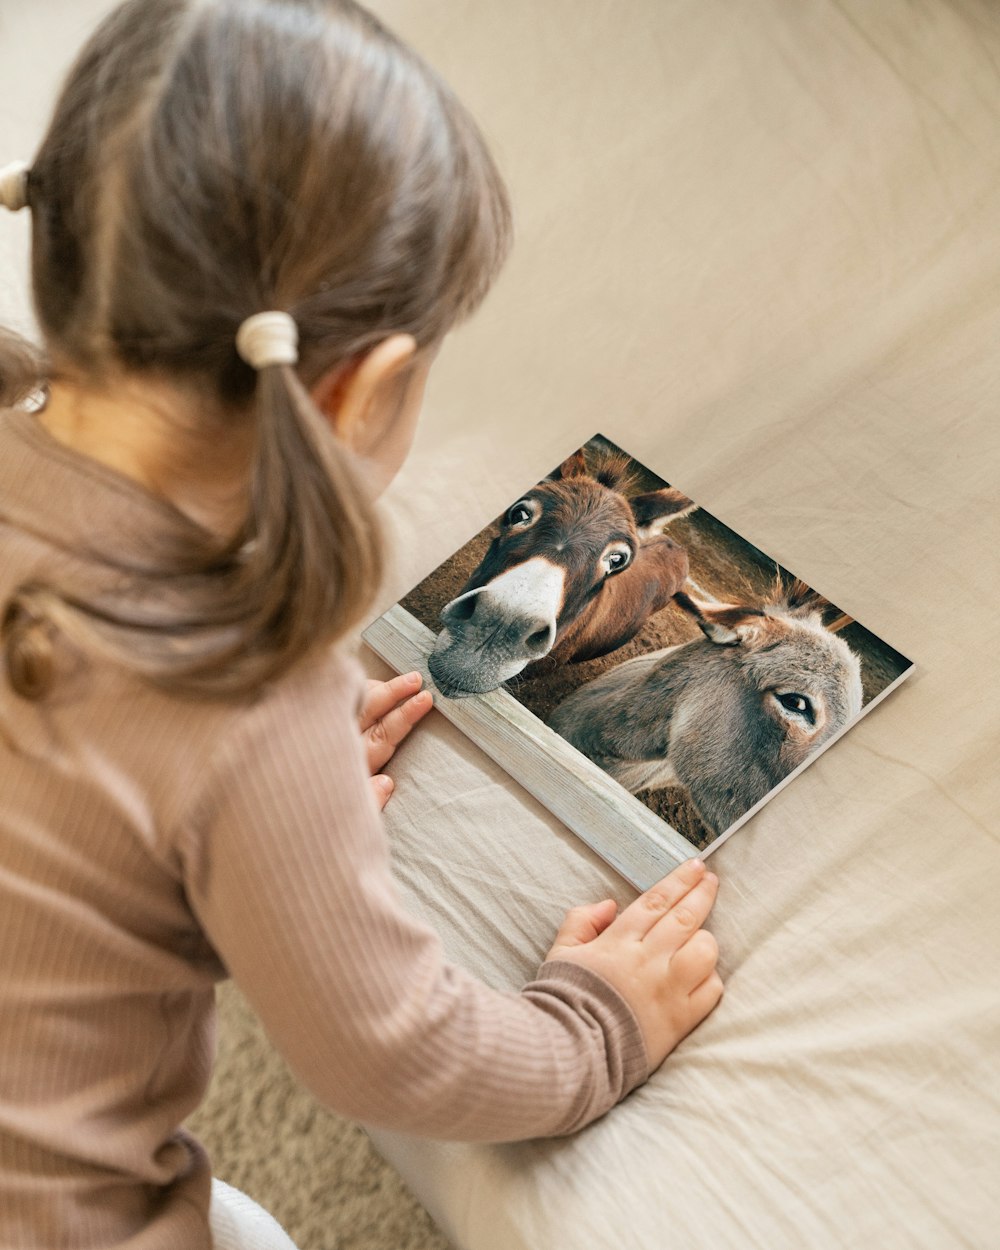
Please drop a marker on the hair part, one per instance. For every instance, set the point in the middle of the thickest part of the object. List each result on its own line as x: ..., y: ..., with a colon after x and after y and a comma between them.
x: 206, y: 160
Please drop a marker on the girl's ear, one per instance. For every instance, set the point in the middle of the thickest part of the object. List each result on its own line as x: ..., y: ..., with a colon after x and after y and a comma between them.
x: 350, y: 394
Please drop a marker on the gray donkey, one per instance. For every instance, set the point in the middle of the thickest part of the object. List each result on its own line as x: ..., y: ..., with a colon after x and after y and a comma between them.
x: 726, y: 716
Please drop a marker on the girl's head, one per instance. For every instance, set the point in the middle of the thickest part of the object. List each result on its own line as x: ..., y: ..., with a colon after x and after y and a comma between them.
x: 208, y: 160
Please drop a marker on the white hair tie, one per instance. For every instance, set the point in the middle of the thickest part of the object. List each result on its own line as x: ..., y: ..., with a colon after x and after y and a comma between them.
x: 268, y: 338
x: 14, y: 185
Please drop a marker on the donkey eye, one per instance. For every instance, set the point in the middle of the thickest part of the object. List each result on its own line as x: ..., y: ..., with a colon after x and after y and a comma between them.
x: 798, y: 704
x: 520, y: 514
x: 617, y: 558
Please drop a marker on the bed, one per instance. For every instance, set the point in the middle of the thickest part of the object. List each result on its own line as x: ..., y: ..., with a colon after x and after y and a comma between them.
x: 758, y: 248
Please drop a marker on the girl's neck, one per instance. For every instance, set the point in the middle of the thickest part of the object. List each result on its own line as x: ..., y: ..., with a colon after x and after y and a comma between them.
x: 143, y: 430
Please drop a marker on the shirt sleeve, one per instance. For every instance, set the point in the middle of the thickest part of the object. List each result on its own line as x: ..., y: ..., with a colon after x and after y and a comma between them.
x: 287, y: 868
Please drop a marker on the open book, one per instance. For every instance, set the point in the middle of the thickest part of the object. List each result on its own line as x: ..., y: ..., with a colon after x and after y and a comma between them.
x: 645, y: 672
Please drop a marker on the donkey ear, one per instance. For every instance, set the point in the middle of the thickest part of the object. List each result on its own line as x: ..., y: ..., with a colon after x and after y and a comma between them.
x: 715, y: 631
x: 725, y: 624
x: 614, y: 470
x: 572, y: 466
x: 799, y: 599
x: 656, y: 509
x: 730, y: 625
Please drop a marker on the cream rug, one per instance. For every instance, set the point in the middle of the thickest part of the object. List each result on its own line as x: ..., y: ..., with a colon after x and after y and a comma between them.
x: 317, y: 1174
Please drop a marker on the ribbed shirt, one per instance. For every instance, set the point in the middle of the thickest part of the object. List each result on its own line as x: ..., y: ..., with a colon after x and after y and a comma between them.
x: 152, y: 845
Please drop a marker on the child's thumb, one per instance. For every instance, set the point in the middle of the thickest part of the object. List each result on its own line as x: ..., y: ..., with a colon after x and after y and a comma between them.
x: 583, y: 924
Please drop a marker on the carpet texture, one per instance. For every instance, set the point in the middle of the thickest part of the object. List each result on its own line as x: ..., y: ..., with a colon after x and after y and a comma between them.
x: 317, y: 1174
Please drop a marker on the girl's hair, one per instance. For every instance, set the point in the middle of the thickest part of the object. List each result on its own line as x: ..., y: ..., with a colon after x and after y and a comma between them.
x: 210, y: 159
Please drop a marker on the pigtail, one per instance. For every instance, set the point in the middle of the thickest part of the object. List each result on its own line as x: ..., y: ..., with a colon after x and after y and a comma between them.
x: 314, y: 549
x: 21, y: 369
x: 26, y: 638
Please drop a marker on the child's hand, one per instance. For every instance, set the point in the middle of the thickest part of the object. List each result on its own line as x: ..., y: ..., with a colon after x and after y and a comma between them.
x: 389, y: 711
x: 655, y: 954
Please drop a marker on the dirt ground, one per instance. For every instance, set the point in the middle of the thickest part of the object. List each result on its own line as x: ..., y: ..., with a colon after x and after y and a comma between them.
x: 722, y: 564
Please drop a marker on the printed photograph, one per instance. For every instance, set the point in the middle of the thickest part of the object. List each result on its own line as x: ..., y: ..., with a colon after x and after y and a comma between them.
x: 685, y: 663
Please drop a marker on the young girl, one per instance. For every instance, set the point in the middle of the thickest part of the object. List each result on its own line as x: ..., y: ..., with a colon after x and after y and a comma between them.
x: 254, y: 222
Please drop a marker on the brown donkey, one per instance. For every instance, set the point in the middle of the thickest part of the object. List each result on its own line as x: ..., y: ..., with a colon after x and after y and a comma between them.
x: 727, y: 716
x: 574, y: 572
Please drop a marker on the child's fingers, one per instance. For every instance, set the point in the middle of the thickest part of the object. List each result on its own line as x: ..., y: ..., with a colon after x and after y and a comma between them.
x: 695, y: 960
x: 683, y: 920
x: 583, y: 924
x: 706, y: 995
x: 388, y: 732
x: 639, y: 917
x: 382, y: 696
x: 383, y: 787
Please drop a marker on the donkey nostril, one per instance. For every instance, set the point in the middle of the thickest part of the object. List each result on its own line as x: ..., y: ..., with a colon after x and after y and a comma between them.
x: 538, y: 639
x: 461, y: 610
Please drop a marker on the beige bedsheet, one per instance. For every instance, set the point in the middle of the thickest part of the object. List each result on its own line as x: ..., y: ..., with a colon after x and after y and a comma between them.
x: 758, y: 247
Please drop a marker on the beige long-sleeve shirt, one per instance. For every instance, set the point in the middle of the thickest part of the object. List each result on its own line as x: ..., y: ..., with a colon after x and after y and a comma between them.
x: 151, y: 846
